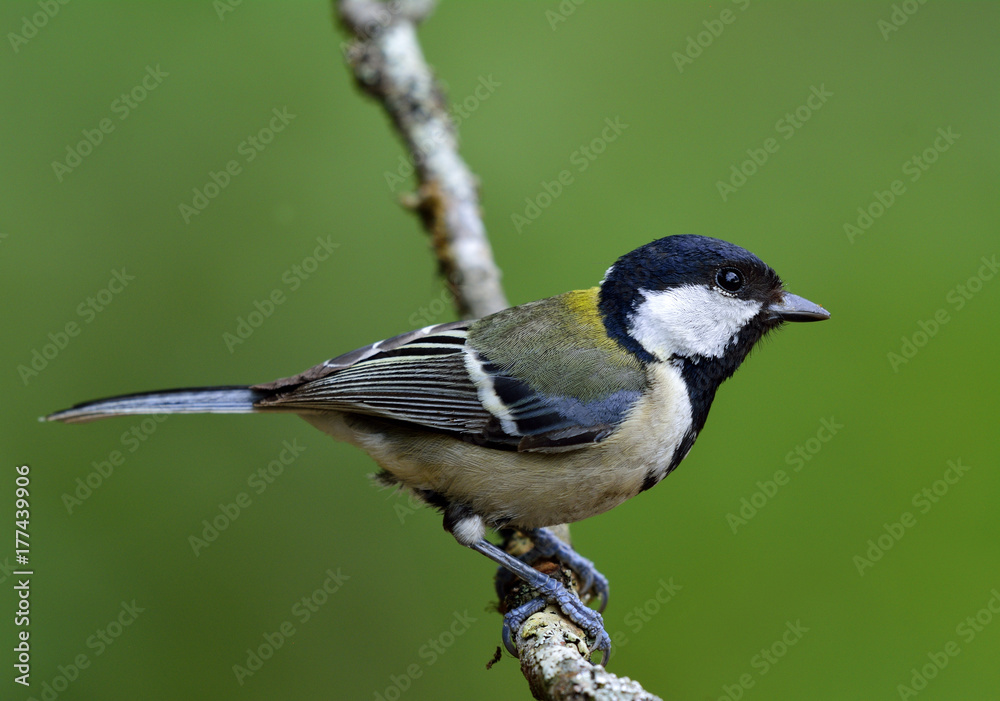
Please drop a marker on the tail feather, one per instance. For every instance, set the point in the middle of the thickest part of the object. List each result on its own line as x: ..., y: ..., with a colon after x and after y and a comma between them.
x: 198, y: 400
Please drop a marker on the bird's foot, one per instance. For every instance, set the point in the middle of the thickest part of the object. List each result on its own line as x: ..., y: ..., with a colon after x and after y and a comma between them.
x: 589, y: 620
x: 592, y: 582
x: 549, y: 591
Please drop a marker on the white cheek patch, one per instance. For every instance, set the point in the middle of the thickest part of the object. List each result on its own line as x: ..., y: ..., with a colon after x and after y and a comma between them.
x: 690, y: 320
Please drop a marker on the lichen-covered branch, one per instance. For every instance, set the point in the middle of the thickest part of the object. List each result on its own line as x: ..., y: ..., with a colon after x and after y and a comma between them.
x: 387, y: 63
x: 552, y: 660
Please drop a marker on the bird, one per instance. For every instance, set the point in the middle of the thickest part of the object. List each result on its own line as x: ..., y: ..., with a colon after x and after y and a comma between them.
x: 541, y: 414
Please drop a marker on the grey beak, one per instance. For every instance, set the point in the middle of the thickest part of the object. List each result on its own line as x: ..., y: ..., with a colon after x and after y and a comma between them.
x: 795, y: 308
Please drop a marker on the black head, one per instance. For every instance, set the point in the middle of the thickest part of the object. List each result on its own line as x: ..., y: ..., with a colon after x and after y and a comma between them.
x: 696, y: 298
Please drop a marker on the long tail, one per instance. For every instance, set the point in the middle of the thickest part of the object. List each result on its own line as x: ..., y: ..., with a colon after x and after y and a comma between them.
x: 197, y: 400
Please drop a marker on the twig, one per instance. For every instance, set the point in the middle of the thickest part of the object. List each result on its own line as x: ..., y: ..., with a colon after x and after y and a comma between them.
x: 387, y: 63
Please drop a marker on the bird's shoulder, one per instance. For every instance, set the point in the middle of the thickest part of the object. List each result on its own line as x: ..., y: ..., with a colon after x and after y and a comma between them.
x: 557, y: 346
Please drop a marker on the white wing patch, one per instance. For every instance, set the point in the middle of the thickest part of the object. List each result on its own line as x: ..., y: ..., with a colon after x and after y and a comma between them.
x: 487, y: 394
x: 692, y: 320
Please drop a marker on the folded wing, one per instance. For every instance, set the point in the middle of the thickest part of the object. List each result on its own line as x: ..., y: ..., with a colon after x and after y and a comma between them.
x: 433, y: 379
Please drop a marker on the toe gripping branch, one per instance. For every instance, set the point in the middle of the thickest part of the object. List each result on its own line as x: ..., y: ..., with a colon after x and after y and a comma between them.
x: 551, y: 591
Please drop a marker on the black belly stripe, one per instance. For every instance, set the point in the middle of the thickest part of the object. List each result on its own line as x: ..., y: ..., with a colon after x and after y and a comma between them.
x: 651, y: 480
x: 654, y: 477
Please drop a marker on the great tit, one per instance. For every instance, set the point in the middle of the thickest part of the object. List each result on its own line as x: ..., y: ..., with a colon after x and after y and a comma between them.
x: 541, y: 414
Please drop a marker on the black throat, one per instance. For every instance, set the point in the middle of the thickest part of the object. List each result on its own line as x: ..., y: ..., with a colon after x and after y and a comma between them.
x: 702, y: 375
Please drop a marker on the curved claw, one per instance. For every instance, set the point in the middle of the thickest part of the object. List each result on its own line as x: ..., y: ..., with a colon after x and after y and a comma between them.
x: 602, y: 589
x: 586, y: 580
x: 516, y: 618
x: 603, y: 645
x: 507, y: 641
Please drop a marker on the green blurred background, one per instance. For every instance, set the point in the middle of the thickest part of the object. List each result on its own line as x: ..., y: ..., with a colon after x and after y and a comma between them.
x: 555, y: 76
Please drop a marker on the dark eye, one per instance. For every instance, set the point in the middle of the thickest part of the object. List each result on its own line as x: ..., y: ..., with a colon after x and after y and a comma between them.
x: 729, y: 279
